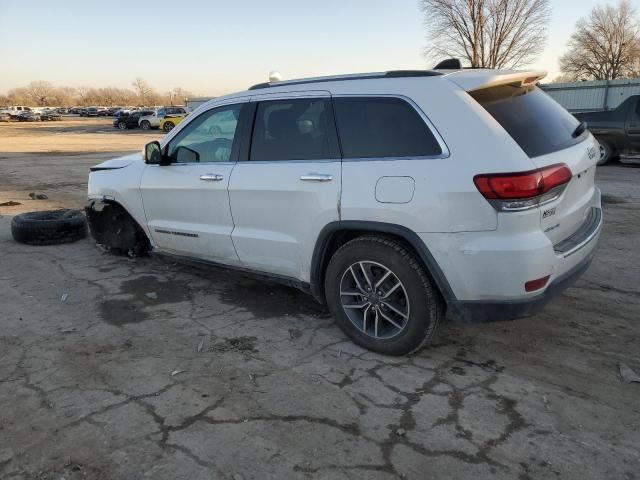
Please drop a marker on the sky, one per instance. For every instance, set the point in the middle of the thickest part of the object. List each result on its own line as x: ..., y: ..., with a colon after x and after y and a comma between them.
x: 215, y: 47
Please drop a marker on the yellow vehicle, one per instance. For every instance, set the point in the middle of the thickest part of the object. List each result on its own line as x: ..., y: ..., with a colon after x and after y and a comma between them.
x: 170, y: 121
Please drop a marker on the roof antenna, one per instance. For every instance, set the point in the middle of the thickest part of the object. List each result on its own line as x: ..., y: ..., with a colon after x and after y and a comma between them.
x: 449, y: 64
x: 275, y: 76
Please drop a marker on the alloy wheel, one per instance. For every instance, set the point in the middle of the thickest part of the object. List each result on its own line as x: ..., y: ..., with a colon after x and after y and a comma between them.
x: 374, y: 299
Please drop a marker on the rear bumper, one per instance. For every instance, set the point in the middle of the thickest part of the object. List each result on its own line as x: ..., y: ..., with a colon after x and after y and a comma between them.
x: 483, y: 311
x: 487, y: 271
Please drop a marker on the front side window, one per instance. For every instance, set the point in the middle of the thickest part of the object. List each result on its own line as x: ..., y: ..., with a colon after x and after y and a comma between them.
x: 208, y: 138
x: 299, y: 129
x: 382, y: 127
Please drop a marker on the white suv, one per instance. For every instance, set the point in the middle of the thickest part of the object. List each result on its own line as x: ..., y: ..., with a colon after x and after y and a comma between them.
x: 390, y: 196
x: 148, y: 122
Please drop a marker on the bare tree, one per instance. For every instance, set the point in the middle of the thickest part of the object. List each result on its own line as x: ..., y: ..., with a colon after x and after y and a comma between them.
x: 486, y: 33
x: 82, y: 94
x: 44, y: 94
x: 40, y: 92
x: 605, y: 45
x: 18, y: 96
x: 177, y: 96
x: 146, y: 94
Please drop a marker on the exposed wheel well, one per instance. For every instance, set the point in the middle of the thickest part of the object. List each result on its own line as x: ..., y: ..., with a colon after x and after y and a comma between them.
x: 334, y: 236
x: 112, y: 226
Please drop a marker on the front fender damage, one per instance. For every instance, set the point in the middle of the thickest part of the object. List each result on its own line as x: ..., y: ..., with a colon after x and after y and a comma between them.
x: 112, y: 227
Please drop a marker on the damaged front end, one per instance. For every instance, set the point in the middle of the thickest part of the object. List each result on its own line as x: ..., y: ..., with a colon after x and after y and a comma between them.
x: 112, y: 227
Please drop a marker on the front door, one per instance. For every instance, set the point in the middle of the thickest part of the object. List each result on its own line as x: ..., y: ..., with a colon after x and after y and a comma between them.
x: 287, y: 186
x: 186, y: 202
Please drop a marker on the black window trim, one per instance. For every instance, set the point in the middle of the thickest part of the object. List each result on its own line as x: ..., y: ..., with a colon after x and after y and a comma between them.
x: 445, y: 153
x: 245, y: 148
x: 240, y: 133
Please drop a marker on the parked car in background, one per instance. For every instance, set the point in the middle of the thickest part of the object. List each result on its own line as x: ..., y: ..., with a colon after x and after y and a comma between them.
x: 29, y: 116
x: 92, y: 111
x: 5, y: 117
x: 618, y: 131
x: 62, y: 110
x: 169, y: 122
x: 50, y: 115
x: 153, y: 121
x: 124, y: 111
x: 15, y: 110
x: 415, y: 193
x: 127, y: 121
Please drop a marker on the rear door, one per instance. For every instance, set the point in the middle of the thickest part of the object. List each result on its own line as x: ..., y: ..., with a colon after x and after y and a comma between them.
x: 286, y: 186
x: 186, y: 203
x: 633, y: 126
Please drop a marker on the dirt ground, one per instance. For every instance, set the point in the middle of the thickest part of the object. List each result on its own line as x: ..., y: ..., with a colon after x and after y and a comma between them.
x: 118, y: 368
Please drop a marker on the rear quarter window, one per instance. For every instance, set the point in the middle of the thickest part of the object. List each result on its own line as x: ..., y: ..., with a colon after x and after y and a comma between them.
x: 532, y: 118
x: 382, y: 127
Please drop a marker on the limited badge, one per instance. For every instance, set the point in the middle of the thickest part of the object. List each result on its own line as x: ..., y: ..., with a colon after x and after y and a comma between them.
x: 548, y: 213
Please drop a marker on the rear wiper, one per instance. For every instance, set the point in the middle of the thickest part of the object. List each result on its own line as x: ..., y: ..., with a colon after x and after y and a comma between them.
x: 579, y: 130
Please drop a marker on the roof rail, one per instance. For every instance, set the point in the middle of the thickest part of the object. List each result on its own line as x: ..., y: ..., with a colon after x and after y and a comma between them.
x: 339, y: 78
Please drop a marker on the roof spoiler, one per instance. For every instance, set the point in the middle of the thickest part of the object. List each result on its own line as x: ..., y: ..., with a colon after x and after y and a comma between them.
x: 449, y: 64
x: 471, y: 80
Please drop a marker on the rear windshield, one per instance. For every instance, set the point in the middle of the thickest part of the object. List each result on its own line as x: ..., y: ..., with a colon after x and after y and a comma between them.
x: 533, y: 119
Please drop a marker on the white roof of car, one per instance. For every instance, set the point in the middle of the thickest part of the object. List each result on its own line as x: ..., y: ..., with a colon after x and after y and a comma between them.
x: 468, y: 79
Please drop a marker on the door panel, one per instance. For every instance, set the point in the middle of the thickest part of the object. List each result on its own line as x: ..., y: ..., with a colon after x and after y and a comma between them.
x: 288, y: 186
x: 278, y: 216
x: 633, y: 127
x: 187, y: 202
x: 187, y: 215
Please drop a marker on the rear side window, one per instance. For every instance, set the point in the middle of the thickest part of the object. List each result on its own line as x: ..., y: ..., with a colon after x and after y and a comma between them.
x: 371, y: 127
x: 298, y: 129
x: 533, y: 119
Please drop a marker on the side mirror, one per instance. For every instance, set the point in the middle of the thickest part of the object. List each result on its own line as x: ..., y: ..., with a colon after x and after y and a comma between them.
x: 153, y: 153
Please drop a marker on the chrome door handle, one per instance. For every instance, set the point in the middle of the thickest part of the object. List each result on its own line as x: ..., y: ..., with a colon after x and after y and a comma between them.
x: 316, y: 177
x: 211, y: 177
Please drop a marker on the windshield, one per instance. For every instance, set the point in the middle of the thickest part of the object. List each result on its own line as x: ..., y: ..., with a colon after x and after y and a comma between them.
x: 533, y: 119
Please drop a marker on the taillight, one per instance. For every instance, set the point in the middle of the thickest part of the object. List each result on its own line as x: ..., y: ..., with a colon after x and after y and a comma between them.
x: 537, y: 284
x: 523, y: 190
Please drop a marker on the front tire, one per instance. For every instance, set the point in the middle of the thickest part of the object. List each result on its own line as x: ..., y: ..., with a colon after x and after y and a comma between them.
x: 168, y: 126
x: 49, y: 227
x: 381, y: 297
x: 145, y: 125
x: 122, y: 125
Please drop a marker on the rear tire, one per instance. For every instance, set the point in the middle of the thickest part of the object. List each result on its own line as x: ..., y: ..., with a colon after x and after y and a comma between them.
x: 381, y: 297
x: 122, y: 125
x: 606, y: 153
x: 145, y: 125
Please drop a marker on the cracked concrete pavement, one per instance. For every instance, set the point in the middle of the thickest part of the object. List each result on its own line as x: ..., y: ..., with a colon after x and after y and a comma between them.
x: 152, y: 369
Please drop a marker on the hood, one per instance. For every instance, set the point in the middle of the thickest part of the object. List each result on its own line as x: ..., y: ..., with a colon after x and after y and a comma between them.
x: 116, y: 163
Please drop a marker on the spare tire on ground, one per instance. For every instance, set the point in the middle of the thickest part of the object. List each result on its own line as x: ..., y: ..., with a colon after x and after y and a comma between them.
x: 49, y: 227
